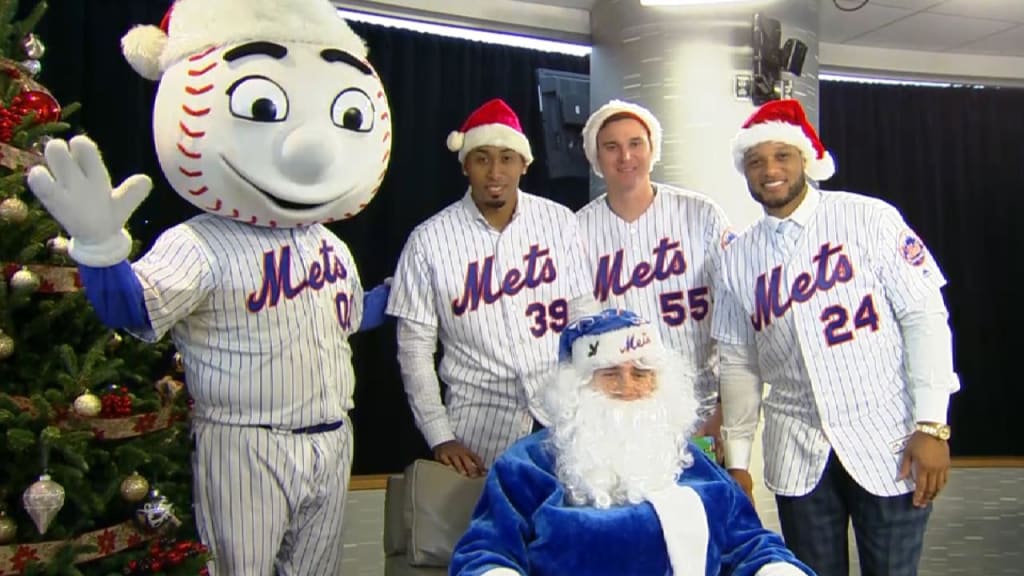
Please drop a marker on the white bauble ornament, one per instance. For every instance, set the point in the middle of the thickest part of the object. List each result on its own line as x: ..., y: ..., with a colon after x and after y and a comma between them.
x: 25, y: 280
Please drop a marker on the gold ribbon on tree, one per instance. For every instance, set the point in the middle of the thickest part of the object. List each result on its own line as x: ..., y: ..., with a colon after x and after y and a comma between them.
x: 108, y: 541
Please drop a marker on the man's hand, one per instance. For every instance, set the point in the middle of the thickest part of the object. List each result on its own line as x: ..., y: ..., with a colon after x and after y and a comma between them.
x: 453, y: 453
x: 926, y: 458
x: 742, y: 477
x: 713, y: 427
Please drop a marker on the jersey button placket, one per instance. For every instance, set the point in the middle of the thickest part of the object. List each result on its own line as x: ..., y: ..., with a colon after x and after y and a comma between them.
x: 312, y: 307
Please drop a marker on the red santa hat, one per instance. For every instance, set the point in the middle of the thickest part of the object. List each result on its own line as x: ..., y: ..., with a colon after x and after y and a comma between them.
x: 602, y: 114
x: 492, y: 124
x: 190, y: 26
x: 784, y: 121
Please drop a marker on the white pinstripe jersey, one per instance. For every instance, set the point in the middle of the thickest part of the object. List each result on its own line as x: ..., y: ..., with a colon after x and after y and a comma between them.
x: 823, y: 315
x: 664, y: 266
x: 261, y: 317
x: 499, y: 301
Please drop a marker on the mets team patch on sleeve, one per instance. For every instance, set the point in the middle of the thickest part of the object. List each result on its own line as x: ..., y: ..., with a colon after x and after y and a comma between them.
x: 912, y: 248
x: 728, y: 236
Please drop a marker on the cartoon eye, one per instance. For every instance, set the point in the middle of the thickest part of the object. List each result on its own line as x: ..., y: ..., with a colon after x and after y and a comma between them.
x: 352, y: 110
x: 258, y: 99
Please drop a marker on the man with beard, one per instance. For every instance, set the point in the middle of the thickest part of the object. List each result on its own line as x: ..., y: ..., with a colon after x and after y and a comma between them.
x: 837, y: 303
x: 494, y: 277
x: 613, y: 486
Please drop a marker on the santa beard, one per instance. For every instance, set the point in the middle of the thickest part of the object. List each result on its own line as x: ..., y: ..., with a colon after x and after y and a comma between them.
x: 611, y: 452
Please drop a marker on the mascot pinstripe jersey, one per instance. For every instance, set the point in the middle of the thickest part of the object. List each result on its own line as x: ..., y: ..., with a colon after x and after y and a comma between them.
x: 834, y: 297
x: 663, y: 266
x: 270, y: 119
x: 499, y: 301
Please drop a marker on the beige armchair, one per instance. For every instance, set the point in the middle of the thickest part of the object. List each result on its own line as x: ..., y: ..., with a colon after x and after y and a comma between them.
x: 426, y: 511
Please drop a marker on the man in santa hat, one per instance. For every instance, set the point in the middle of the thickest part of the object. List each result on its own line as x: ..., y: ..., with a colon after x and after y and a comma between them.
x: 613, y: 486
x: 833, y: 300
x: 654, y: 248
x: 495, y: 277
x: 269, y: 118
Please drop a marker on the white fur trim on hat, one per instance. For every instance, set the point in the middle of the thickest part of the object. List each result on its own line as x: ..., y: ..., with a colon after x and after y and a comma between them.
x: 593, y: 352
x: 498, y: 135
x: 596, y: 122
x: 816, y: 168
x: 195, y: 25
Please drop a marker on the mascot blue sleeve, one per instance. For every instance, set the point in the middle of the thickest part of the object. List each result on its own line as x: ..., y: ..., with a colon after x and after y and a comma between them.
x: 374, y: 303
x: 116, y: 294
x: 498, y: 535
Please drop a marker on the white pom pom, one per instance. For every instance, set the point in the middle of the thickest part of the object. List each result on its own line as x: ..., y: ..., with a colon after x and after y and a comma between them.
x: 821, y: 170
x: 142, y: 47
x: 455, y: 140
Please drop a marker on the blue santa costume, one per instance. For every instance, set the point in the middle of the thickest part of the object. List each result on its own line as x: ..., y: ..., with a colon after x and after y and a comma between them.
x: 527, y: 523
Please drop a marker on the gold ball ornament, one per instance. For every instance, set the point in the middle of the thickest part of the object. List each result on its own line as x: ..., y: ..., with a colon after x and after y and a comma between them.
x: 134, y: 488
x: 8, y: 530
x: 25, y: 280
x: 58, y: 245
x: 115, y: 341
x: 13, y: 211
x: 43, y: 500
x: 88, y: 405
x: 6, y: 346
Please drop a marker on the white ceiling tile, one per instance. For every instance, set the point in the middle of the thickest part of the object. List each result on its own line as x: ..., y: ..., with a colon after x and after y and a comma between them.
x: 1007, y: 43
x: 1012, y: 10
x: 926, y: 31
x: 837, y: 26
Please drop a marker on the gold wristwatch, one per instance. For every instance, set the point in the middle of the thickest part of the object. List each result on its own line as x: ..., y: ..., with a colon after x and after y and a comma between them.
x: 940, y: 431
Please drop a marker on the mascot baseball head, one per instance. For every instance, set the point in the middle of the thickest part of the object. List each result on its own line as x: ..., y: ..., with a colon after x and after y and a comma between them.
x: 267, y: 111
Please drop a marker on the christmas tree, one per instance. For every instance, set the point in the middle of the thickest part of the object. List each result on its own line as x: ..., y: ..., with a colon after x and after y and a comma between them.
x: 95, y: 448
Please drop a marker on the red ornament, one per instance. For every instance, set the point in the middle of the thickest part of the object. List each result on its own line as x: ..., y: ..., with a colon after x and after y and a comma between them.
x: 45, y: 106
x: 117, y: 403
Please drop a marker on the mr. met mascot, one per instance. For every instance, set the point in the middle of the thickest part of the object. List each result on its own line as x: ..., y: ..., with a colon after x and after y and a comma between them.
x: 271, y: 120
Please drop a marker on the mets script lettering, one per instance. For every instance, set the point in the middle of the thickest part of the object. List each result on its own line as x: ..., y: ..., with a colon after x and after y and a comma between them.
x: 277, y: 280
x: 479, y: 285
x: 668, y: 261
x: 635, y: 343
x: 768, y: 302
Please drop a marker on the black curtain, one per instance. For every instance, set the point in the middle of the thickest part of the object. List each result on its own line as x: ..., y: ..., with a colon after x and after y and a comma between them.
x: 952, y: 160
x: 433, y: 83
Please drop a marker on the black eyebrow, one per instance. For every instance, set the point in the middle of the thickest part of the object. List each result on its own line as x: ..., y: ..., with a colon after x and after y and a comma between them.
x: 335, y: 55
x: 275, y: 51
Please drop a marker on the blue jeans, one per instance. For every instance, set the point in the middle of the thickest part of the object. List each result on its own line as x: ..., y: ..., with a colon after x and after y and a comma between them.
x: 889, y: 530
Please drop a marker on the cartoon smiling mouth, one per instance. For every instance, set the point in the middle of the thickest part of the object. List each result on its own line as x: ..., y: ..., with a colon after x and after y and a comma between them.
x: 279, y: 202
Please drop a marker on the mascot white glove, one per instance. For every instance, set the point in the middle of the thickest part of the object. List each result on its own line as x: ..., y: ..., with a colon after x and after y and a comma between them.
x: 74, y: 185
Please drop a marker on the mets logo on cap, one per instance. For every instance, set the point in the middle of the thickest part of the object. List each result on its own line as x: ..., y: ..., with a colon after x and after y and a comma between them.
x: 912, y: 248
